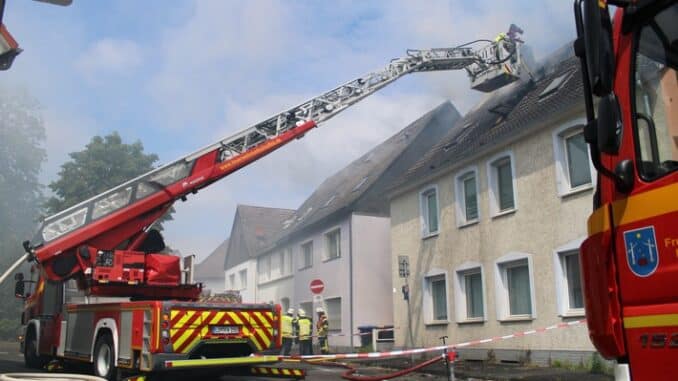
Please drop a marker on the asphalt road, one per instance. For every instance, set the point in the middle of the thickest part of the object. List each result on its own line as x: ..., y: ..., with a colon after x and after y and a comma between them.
x: 11, y: 361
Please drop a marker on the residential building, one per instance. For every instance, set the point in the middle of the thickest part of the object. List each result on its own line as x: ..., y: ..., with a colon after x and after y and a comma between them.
x: 491, y: 220
x: 253, y: 229
x: 210, y: 270
x: 340, y: 235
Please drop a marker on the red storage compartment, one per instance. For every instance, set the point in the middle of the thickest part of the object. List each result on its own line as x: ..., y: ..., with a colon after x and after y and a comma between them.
x: 163, y: 270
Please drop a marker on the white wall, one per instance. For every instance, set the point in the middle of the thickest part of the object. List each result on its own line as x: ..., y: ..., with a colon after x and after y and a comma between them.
x: 334, y: 273
x: 248, y: 292
x: 373, y: 302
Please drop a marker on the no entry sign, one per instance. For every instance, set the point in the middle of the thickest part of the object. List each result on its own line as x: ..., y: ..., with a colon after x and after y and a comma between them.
x: 317, y: 286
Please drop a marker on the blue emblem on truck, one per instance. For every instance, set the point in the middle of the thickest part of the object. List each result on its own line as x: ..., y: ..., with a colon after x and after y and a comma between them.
x: 641, y: 251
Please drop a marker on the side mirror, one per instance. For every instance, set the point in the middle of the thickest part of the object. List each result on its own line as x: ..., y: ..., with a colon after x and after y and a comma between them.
x: 598, y: 46
x: 19, y: 289
x: 609, y: 125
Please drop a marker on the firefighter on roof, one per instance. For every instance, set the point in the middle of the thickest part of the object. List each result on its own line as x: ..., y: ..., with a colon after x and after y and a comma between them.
x: 305, y: 327
x: 289, y: 332
x: 322, y: 326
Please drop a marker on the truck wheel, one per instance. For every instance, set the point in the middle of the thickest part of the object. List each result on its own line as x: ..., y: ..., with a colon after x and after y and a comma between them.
x: 104, y: 358
x: 31, y: 357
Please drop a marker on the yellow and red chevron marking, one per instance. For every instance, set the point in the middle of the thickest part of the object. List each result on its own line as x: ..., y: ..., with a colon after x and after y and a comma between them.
x: 279, y: 372
x: 188, y: 327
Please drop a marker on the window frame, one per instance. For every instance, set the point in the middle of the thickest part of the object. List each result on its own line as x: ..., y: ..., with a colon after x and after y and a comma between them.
x: 460, y: 196
x: 332, y: 325
x: 493, y: 183
x: 427, y: 295
x: 638, y: 159
x: 326, y: 247
x: 561, y: 281
x: 423, y: 207
x: 560, y: 156
x: 503, y: 308
x: 243, y: 279
x: 461, y: 297
x: 302, y: 254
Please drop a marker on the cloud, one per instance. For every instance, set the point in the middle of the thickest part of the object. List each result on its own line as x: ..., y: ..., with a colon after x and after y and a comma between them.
x: 109, y: 56
x: 229, y: 66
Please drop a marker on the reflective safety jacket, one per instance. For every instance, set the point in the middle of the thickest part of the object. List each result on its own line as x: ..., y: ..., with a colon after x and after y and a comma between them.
x: 305, y: 327
x: 287, y: 326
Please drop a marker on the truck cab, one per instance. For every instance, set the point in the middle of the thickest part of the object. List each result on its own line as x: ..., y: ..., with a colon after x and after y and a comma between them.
x: 630, y: 259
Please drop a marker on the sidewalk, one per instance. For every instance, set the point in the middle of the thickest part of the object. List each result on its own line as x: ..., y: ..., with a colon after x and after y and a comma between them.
x: 477, y: 370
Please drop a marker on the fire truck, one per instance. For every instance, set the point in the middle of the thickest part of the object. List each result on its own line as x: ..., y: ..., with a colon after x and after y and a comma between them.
x: 102, y: 291
x: 630, y: 258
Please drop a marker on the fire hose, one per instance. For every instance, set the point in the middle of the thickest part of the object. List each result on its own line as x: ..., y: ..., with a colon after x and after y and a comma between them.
x: 351, y: 370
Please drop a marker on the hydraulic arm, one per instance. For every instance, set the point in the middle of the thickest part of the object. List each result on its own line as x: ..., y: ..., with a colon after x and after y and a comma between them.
x: 106, y: 240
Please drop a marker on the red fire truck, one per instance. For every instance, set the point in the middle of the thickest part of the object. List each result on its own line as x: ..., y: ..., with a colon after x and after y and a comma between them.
x: 630, y: 259
x: 106, y: 294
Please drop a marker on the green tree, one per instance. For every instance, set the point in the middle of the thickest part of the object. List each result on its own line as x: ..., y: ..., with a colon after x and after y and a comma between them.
x: 104, y: 163
x: 22, y: 134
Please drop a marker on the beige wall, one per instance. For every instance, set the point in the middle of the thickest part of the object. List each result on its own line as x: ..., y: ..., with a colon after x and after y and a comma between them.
x: 542, y: 222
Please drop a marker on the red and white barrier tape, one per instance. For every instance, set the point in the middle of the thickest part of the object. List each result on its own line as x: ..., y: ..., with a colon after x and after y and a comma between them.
x: 354, y: 334
x: 406, y: 352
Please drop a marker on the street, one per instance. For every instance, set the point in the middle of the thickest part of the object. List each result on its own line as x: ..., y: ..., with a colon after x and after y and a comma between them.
x: 11, y: 361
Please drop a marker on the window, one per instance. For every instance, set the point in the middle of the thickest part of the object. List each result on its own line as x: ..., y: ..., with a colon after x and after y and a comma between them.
x: 285, y: 257
x: 264, y: 266
x: 569, y: 294
x: 334, y: 313
x: 502, y: 184
x: 306, y: 255
x: 243, y: 279
x: 655, y: 83
x: 307, y: 307
x: 231, y: 279
x: 469, y: 295
x: 333, y: 244
x: 429, y: 211
x: 466, y: 190
x: 572, y: 161
x: 285, y: 304
x: 435, y: 298
x: 515, y: 296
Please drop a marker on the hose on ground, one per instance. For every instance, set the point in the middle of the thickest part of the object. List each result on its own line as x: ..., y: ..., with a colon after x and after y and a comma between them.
x: 48, y: 377
x: 349, y: 374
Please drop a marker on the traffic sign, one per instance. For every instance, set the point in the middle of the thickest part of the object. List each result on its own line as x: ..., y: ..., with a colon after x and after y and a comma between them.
x: 317, y: 286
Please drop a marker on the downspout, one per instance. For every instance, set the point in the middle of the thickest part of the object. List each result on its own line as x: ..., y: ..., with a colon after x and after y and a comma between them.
x: 350, y: 278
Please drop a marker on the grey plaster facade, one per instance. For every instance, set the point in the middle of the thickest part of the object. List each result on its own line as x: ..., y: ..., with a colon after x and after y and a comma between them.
x: 527, y: 124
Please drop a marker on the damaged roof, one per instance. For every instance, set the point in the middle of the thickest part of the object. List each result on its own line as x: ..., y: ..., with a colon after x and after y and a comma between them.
x: 502, y: 116
x: 360, y: 186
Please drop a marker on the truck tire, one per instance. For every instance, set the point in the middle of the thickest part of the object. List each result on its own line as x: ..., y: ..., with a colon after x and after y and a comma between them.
x: 104, y: 358
x: 31, y: 357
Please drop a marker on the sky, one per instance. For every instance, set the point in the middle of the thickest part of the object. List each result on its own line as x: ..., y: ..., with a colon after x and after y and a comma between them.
x: 178, y: 75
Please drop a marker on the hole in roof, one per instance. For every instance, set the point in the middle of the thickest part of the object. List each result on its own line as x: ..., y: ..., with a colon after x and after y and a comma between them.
x: 360, y: 184
x: 329, y: 201
x: 286, y: 224
x: 555, y: 85
x: 310, y: 208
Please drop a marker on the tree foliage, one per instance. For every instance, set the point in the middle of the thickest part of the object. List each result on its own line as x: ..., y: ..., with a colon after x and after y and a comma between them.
x: 22, y: 134
x: 104, y: 163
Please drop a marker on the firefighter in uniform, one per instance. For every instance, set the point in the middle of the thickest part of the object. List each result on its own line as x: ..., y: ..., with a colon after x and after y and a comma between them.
x: 322, y: 326
x: 289, y: 332
x: 305, y: 330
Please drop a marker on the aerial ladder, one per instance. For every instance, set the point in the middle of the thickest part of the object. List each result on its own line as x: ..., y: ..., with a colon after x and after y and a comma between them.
x: 107, y: 295
x: 107, y: 242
